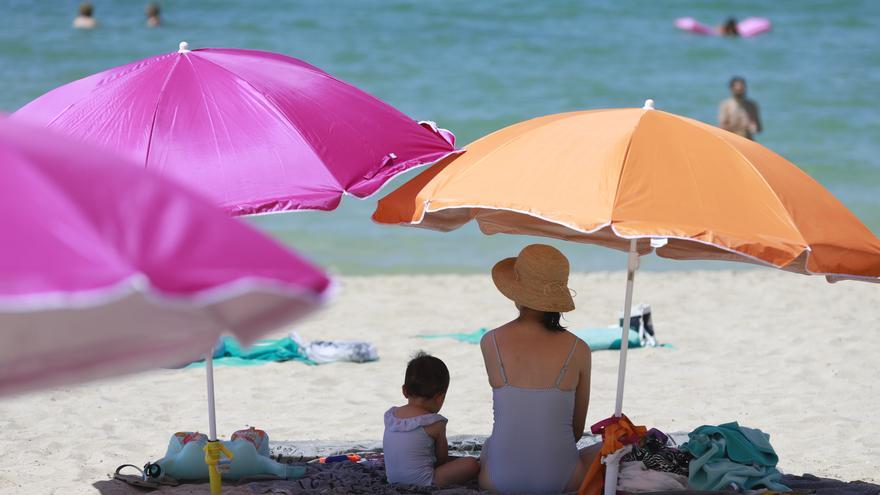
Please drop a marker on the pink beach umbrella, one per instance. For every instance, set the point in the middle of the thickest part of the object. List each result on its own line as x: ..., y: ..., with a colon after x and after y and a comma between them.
x: 108, y: 269
x: 256, y: 132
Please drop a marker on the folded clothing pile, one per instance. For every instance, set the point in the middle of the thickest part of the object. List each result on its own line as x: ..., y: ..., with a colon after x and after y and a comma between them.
x: 653, y: 464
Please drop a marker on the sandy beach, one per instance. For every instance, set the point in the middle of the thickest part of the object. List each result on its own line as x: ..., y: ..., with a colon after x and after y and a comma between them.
x: 791, y: 355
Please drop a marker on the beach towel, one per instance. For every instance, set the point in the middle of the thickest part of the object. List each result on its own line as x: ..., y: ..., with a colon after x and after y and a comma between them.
x: 229, y: 352
x: 598, y: 339
x: 732, y: 454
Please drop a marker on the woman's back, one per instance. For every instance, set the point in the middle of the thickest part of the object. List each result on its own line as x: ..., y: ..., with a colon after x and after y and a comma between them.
x: 533, y: 444
x: 533, y: 356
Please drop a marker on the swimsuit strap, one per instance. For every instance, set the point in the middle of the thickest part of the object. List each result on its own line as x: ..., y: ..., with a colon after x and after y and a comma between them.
x: 500, y: 362
x: 567, y: 360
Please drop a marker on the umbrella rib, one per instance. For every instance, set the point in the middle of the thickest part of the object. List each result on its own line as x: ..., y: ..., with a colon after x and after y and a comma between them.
x: 156, y: 112
x: 620, y: 175
x: 788, y: 217
x: 266, y: 102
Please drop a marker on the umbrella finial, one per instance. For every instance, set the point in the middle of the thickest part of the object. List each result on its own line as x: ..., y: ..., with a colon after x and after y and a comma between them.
x: 183, y: 47
x: 649, y: 104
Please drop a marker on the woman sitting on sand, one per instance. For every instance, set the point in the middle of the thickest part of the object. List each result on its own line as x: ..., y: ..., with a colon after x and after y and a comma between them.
x: 540, y: 378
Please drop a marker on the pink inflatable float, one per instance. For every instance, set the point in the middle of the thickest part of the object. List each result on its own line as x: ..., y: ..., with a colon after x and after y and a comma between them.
x: 746, y: 28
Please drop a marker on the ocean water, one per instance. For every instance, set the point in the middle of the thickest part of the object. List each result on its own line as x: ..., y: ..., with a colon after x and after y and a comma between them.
x: 476, y: 66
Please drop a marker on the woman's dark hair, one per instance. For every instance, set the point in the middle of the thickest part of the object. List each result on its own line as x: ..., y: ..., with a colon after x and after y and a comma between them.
x: 426, y: 376
x: 734, y: 80
x: 551, y: 321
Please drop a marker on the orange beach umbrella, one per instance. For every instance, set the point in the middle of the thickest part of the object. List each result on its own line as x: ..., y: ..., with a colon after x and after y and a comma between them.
x: 609, y: 177
x: 642, y: 181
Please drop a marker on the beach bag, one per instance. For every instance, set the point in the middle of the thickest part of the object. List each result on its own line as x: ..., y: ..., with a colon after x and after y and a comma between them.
x: 640, y: 321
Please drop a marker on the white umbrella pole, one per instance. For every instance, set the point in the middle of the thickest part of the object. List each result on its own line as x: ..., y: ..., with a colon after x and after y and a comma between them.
x: 209, y: 374
x: 632, y: 266
x: 611, y: 467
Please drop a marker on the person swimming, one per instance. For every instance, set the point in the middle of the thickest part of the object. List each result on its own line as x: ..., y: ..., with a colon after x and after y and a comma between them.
x: 85, y: 17
x: 729, y: 28
x: 152, y: 12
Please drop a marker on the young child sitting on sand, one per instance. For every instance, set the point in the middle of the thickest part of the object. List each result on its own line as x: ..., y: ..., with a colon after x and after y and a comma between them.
x: 416, y: 451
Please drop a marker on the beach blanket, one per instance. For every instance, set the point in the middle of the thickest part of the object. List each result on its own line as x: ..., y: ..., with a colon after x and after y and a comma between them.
x: 369, y: 477
x: 599, y: 339
x: 350, y: 478
x: 827, y: 486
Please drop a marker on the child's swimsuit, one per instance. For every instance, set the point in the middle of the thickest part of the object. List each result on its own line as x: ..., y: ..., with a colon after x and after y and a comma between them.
x: 409, y: 451
x: 532, y: 448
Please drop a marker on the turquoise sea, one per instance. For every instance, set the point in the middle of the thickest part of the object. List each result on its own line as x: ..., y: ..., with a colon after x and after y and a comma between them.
x: 476, y: 66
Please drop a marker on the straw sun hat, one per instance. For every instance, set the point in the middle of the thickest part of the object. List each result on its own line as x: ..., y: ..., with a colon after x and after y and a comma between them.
x: 536, y: 279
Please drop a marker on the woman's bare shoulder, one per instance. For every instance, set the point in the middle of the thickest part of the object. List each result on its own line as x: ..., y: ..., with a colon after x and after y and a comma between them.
x: 486, y: 340
x: 487, y: 337
x: 582, y: 351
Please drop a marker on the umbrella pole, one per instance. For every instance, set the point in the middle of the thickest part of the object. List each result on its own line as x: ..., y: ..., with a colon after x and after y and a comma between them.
x: 214, y: 450
x: 612, y: 466
x: 632, y: 266
x: 209, y: 374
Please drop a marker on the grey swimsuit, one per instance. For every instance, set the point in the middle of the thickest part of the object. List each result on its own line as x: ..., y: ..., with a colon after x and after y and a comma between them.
x: 409, y: 451
x: 532, y: 448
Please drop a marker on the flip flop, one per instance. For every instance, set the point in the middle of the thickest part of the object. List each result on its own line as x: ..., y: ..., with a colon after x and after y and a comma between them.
x: 141, y: 480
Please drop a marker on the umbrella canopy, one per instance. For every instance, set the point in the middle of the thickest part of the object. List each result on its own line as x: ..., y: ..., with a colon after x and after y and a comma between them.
x: 256, y: 132
x: 107, y: 269
x: 610, y: 176
x: 641, y: 180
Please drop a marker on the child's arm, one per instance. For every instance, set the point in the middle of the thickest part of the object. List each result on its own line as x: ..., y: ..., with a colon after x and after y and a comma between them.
x: 437, y: 431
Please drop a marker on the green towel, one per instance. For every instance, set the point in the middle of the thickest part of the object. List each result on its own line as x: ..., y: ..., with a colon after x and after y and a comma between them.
x: 598, y: 339
x: 731, y: 453
x: 229, y: 352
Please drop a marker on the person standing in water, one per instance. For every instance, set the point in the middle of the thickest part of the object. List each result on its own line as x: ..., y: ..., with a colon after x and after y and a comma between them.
x: 152, y: 11
x: 84, y: 19
x: 739, y: 114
